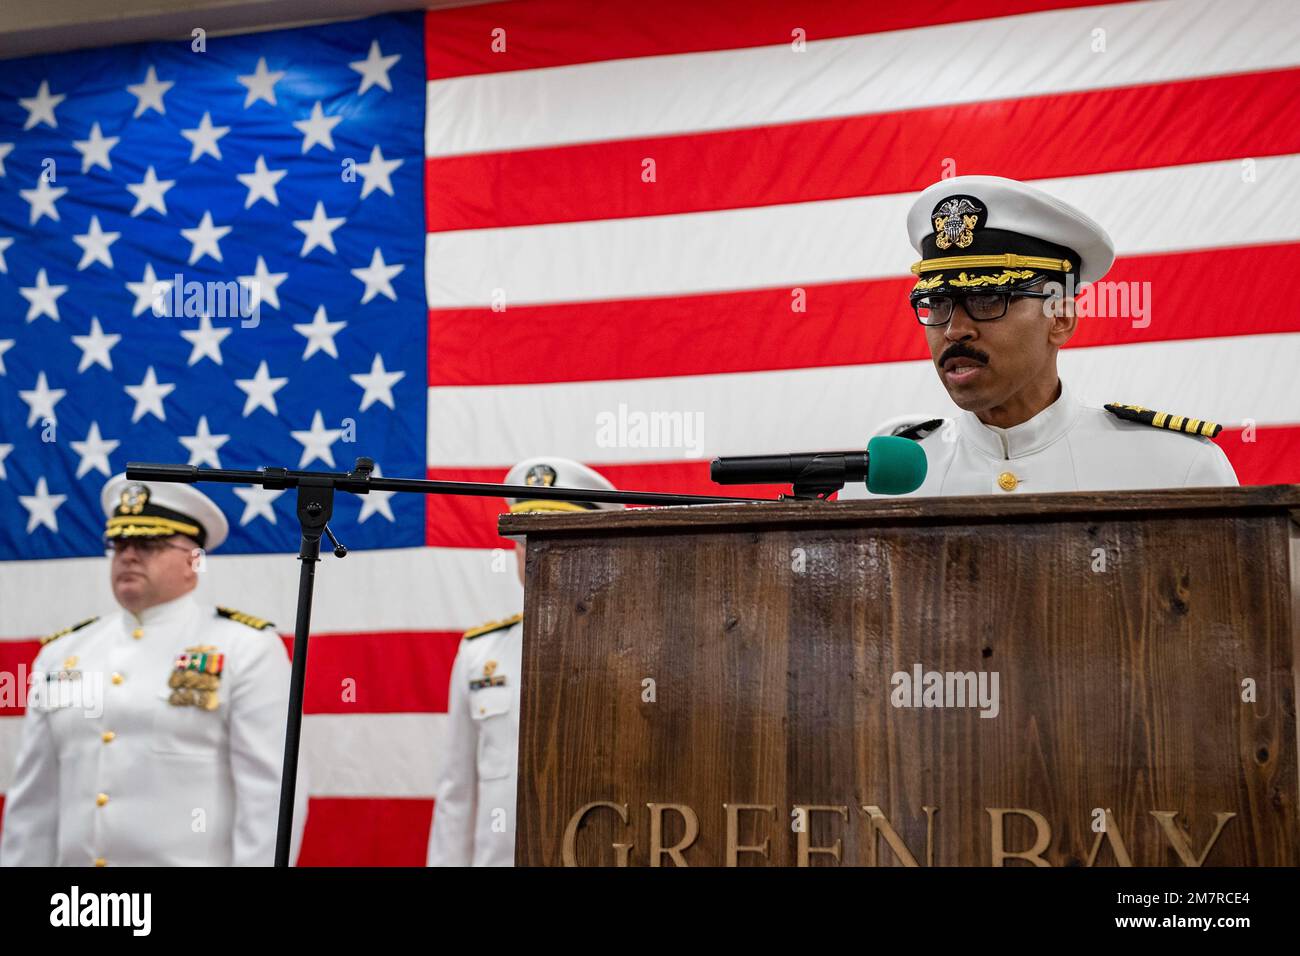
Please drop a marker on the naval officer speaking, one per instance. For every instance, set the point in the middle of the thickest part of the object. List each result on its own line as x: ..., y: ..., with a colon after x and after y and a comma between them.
x: 1000, y: 262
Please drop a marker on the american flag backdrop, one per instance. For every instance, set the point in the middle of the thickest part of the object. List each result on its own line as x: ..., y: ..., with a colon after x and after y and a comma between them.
x: 478, y: 233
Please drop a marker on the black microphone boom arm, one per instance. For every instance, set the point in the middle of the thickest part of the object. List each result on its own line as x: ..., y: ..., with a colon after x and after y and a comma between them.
x: 315, y: 507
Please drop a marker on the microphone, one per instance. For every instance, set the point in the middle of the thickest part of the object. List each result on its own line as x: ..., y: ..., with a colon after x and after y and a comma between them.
x: 889, y: 466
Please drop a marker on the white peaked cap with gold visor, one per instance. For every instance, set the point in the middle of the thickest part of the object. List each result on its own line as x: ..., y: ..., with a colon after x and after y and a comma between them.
x: 138, y: 509
x: 990, y: 234
x: 552, y: 472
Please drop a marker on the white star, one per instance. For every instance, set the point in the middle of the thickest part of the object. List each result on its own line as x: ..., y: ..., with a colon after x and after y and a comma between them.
x: 261, y: 183
x: 94, y: 245
x: 204, y: 237
x: 149, y: 194
x: 4, y: 453
x: 42, y: 200
x: 40, y: 108
x: 258, y: 503
x: 5, y: 150
x: 374, y: 68
x: 41, y: 401
x: 150, y: 290
x: 262, y: 285
x: 5, y: 243
x: 376, y: 173
x: 149, y: 396
x: 204, y: 138
x: 95, y: 347
x: 378, y: 384
x: 260, y: 389
x: 376, y: 502
x: 203, y: 446
x: 94, y: 452
x: 318, y: 128
x: 41, y: 507
x: 7, y: 344
x: 318, y: 230
x: 261, y: 84
x: 149, y: 94
x: 94, y: 151
x: 320, y: 334
x: 43, y: 297
x: 206, y: 341
x: 377, y: 277
x: 316, y: 442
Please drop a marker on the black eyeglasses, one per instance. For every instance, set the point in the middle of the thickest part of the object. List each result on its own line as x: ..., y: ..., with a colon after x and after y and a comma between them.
x: 149, y: 547
x: 980, y: 306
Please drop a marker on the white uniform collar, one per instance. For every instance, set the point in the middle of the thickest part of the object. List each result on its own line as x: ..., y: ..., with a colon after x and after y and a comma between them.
x: 1027, y: 437
x: 162, y: 614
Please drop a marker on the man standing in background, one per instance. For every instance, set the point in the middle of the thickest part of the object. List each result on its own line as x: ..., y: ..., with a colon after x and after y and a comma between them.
x: 154, y: 736
x: 474, y: 801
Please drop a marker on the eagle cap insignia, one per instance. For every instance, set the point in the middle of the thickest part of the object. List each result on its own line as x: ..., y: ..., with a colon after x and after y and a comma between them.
x: 955, y: 221
x: 133, y: 499
x: 543, y: 475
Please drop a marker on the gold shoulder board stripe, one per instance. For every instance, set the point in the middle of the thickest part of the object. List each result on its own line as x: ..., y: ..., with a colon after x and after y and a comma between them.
x: 1173, y: 423
x: 257, y: 623
x: 67, y: 630
x: 491, y: 626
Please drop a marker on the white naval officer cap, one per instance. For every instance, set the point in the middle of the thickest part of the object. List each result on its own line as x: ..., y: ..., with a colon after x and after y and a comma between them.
x: 553, y: 472
x: 991, y: 234
x: 136, y: 509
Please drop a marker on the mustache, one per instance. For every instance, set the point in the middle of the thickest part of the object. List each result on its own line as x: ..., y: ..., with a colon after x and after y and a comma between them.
x: 962, y: 350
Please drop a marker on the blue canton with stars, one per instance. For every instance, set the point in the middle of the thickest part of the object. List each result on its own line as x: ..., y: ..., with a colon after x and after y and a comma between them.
x: 284, y: 170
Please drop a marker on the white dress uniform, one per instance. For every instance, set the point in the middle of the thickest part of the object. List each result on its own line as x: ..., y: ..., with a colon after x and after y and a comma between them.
x: 1068, y: 446
x: 475, y: 797
x: 986, y: 238
x: 474, y: 811
x: 113, y: 770
x: 154, y: 739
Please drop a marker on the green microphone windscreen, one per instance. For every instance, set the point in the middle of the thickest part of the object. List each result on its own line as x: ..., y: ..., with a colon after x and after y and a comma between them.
x: 896, y: 465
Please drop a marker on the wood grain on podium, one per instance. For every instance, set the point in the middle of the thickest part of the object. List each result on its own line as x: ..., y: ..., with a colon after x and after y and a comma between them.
x: 771, y: 632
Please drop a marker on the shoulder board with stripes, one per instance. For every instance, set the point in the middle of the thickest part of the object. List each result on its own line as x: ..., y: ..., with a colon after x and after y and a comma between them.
x: 1174, y: 423
x: 67, y: 630
x: 491, y: 626
x: 920, y: 430
x: 257, y: 623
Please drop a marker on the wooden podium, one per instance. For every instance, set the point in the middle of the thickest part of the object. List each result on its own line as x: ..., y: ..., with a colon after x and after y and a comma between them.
x: 812, y: 683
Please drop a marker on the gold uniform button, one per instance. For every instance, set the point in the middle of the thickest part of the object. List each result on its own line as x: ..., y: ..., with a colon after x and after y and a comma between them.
x: 117, y: 678
x: 101, y: 800
x: 108, y: 736
x: 100, y: 861
x: 138, y: 633
x: 1008, y: 481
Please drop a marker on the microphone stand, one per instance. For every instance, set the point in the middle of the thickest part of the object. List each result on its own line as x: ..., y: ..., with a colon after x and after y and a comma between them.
x: 315, y: 508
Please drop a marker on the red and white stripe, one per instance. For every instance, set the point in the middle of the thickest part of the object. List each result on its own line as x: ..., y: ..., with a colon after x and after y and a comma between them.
x: 778, y: 172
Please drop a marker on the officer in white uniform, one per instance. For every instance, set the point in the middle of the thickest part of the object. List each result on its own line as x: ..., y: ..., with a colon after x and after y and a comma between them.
x: 1001, y: 263
x: 153, y: 736
x: 474, y: 802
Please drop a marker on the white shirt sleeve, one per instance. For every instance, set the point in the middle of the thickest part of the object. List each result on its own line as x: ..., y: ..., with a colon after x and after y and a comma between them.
x: 1210, y: 468
x: 31, y: 811
x: 259, y: 707
x: 451, y: 839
